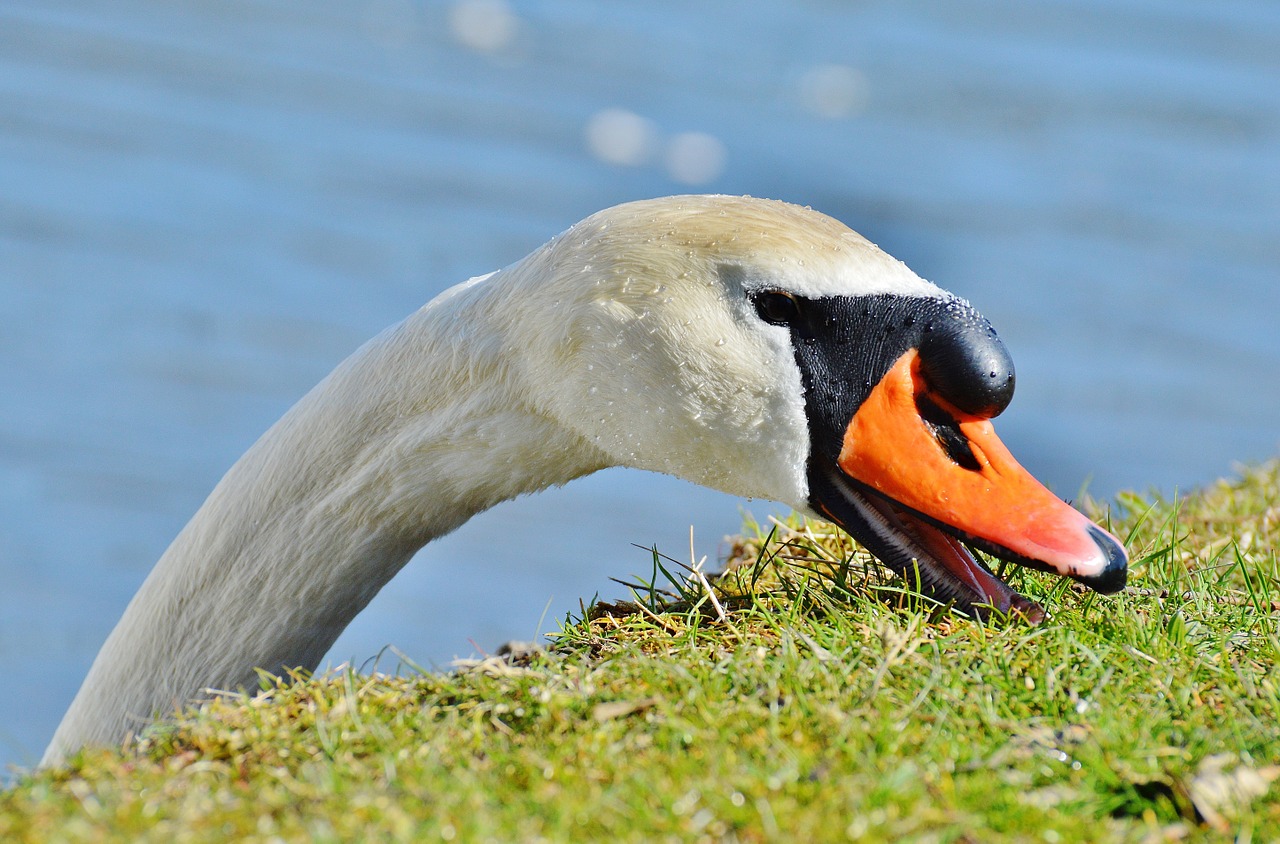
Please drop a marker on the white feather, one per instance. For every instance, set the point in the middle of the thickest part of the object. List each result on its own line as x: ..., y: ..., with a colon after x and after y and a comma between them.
x: 627, y: 340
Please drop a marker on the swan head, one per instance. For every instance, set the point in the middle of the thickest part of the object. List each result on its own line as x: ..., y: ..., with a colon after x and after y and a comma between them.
x: 769, y: 351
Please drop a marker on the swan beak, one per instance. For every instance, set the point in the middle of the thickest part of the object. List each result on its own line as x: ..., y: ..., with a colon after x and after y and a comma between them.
x: 921, y: 457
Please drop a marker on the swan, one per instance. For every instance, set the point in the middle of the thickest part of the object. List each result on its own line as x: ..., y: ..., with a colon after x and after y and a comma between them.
x: 748, y: 345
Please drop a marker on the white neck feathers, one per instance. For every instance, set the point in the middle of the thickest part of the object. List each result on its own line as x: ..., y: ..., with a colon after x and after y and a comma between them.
x: 403, y: 442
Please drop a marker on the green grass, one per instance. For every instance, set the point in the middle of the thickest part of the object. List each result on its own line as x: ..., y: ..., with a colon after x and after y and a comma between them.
x: 811, y: 701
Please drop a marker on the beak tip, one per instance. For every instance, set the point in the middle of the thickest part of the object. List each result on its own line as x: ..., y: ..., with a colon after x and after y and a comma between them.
x: 1115, y: 568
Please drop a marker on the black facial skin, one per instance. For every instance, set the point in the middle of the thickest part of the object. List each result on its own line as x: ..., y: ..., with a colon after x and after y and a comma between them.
x: 845, y: 345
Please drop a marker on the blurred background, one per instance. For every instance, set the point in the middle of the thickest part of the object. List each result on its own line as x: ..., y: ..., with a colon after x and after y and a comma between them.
x: 205, y: 206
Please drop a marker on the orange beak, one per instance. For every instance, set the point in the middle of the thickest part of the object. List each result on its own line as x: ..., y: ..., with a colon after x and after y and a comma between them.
x: 928, y: 459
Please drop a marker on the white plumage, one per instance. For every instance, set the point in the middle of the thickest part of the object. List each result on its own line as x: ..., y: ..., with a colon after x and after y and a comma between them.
x: 628, y: 340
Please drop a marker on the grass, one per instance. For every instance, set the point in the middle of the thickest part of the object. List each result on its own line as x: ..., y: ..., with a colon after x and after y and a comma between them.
x: 810, y: 700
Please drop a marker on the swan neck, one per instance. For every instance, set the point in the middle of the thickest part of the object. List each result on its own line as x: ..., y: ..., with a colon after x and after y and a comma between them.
x: 420, y: 429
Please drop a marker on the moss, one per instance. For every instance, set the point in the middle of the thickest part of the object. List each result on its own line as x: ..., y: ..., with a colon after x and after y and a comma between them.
x: 811, y: 699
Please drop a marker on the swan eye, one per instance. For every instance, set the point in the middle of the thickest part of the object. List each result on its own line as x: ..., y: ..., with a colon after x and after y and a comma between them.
x: 776, y: 307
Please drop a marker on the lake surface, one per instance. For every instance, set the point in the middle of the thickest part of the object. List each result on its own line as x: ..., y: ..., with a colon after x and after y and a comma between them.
x: 205, y: 206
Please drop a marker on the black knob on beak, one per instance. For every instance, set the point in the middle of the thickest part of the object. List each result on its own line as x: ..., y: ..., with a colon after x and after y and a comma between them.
x: 965, y: 363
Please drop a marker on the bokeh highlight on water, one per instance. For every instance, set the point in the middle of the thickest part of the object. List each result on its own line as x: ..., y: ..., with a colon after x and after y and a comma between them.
x: 205, y: 206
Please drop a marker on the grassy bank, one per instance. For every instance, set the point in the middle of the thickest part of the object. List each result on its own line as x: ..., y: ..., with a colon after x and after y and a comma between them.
x: 808, y: 701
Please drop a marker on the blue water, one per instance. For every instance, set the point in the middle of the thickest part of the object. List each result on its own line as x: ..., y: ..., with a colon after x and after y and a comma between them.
x: 205, y: 206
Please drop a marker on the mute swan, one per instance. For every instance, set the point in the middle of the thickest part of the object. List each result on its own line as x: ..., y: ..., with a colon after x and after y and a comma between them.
x: 747, y: 345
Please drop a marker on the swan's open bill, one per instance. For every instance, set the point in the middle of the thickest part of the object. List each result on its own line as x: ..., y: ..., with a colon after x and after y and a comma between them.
x: 747, y: 345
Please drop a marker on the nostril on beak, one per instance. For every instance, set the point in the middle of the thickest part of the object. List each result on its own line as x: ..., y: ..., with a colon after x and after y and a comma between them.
x: 948, y: 434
